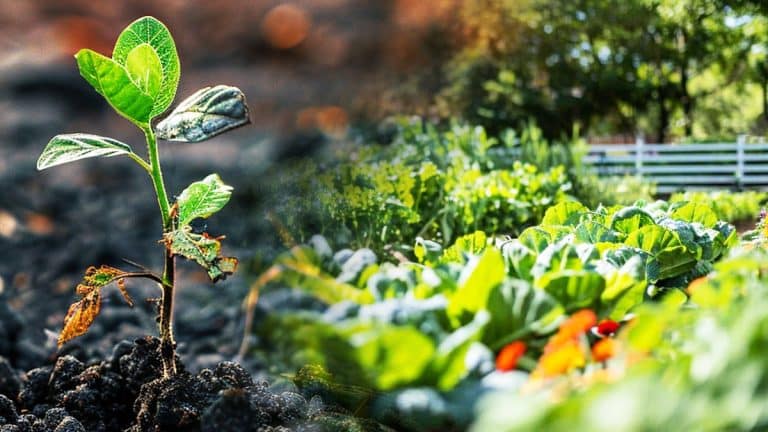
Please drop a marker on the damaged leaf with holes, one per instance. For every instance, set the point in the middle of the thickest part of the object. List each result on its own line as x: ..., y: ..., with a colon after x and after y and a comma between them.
x: 201, y: 199
x: 202, y: 249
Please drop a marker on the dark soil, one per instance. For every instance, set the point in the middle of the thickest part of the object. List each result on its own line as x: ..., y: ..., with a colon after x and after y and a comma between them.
x: 126, y: 392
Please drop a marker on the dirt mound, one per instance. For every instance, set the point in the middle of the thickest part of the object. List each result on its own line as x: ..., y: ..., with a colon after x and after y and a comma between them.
x: 127, y: 392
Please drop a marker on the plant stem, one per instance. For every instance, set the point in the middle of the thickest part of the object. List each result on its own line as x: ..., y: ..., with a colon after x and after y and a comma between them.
x: 165, y: 322
x: 167, y: 343
x: 157, y: 178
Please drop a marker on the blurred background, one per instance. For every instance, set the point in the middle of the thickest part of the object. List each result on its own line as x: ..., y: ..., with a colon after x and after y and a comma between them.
x: 317, y: 73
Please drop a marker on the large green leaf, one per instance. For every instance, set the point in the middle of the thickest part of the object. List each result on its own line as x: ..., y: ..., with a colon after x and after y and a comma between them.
x: 630, y: 219
x: 519, y: 259
x: 696, y: 212
x: 71, y: 147
x: 143, y: 65
x: 563, y: 255
x: 393, y: 356
x: 448, y: 366
x: 207, y: 113
x: 113, y: 82
x: 624, y: 288
x: 202, y: 199
x: 595, y: 232
x: 697, y: 244
x: 664, y: 245
x: 517, y: 309
x: 150, y: 31
x: 475, y: 283
x: 535, y: 238
x: 620, y: 256
x: 300, y: 268
x: 565, y: 213
x: 472, y: 244
x: 574, y: 289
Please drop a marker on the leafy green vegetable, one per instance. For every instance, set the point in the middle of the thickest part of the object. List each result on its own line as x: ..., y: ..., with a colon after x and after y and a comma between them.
x: 565, y: 213
x: 630, y: 219
x: 477, y: 280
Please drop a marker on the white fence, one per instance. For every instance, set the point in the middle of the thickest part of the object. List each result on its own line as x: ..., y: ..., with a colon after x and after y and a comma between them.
x: 675, y: 167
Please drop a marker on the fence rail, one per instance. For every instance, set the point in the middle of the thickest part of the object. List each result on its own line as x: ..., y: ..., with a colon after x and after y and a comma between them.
x: 673, y: 167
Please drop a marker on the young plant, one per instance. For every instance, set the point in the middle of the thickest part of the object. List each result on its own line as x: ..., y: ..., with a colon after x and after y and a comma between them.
x: 140, y: 82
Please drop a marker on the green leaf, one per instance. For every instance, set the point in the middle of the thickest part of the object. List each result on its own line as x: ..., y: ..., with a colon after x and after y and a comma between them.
x: 535, y: 238
x: 565, y: 213
x: 202, y: 199
x: 472, y: 244
x: 564, y: 255
x: 664, y: 245
x: 448, y: 366
x: 516, y: 309
x: 594, y: 232
x: 300, y: 268
x: 624, y: 288
x: 696, y: 212
x: 630, y: 219
x: 150, y: 31
x: 574, y: 289
x: 475, y: 283
x: 143, y: 65
x: 113, y: 82
x: 427, y: 251
x: 203, y: 249
x: 72, y: 147
x: 518, y: 258
x: 621, y: 256
x: 208, y: 112
x: 393, y: 356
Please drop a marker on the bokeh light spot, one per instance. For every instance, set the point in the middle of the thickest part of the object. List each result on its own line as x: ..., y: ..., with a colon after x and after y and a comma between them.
x: 286, y: 26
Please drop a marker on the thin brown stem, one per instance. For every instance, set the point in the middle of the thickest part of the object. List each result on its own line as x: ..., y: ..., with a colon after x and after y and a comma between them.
x: 167, y: 343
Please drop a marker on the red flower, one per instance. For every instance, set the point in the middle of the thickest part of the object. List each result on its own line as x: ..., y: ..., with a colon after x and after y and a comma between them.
x: 509, y: 355
x: 606, y: 328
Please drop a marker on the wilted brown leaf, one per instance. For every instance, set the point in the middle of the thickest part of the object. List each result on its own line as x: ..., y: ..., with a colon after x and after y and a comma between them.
x: 80, y: 316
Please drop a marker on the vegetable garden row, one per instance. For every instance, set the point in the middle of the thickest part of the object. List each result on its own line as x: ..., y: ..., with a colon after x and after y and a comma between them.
x: 482, y: 294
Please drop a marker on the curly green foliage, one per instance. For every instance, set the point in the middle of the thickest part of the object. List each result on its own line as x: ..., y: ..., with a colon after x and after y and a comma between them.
x: 434, y: 184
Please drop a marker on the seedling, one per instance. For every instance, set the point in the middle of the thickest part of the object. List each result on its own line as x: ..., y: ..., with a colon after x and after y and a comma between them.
x: 140, y: 82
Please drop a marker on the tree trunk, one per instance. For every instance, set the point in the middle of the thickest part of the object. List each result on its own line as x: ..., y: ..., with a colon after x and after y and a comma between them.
x: 687, y: 101
x: 661, y: 132
x: 765, y: 97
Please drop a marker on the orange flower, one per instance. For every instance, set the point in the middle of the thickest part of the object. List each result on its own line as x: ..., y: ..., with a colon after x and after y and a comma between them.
x: 604, y: 349
x: 572, y: 328
x: 578, y: 323
x: 509, y: 355
x: 561, y: 359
